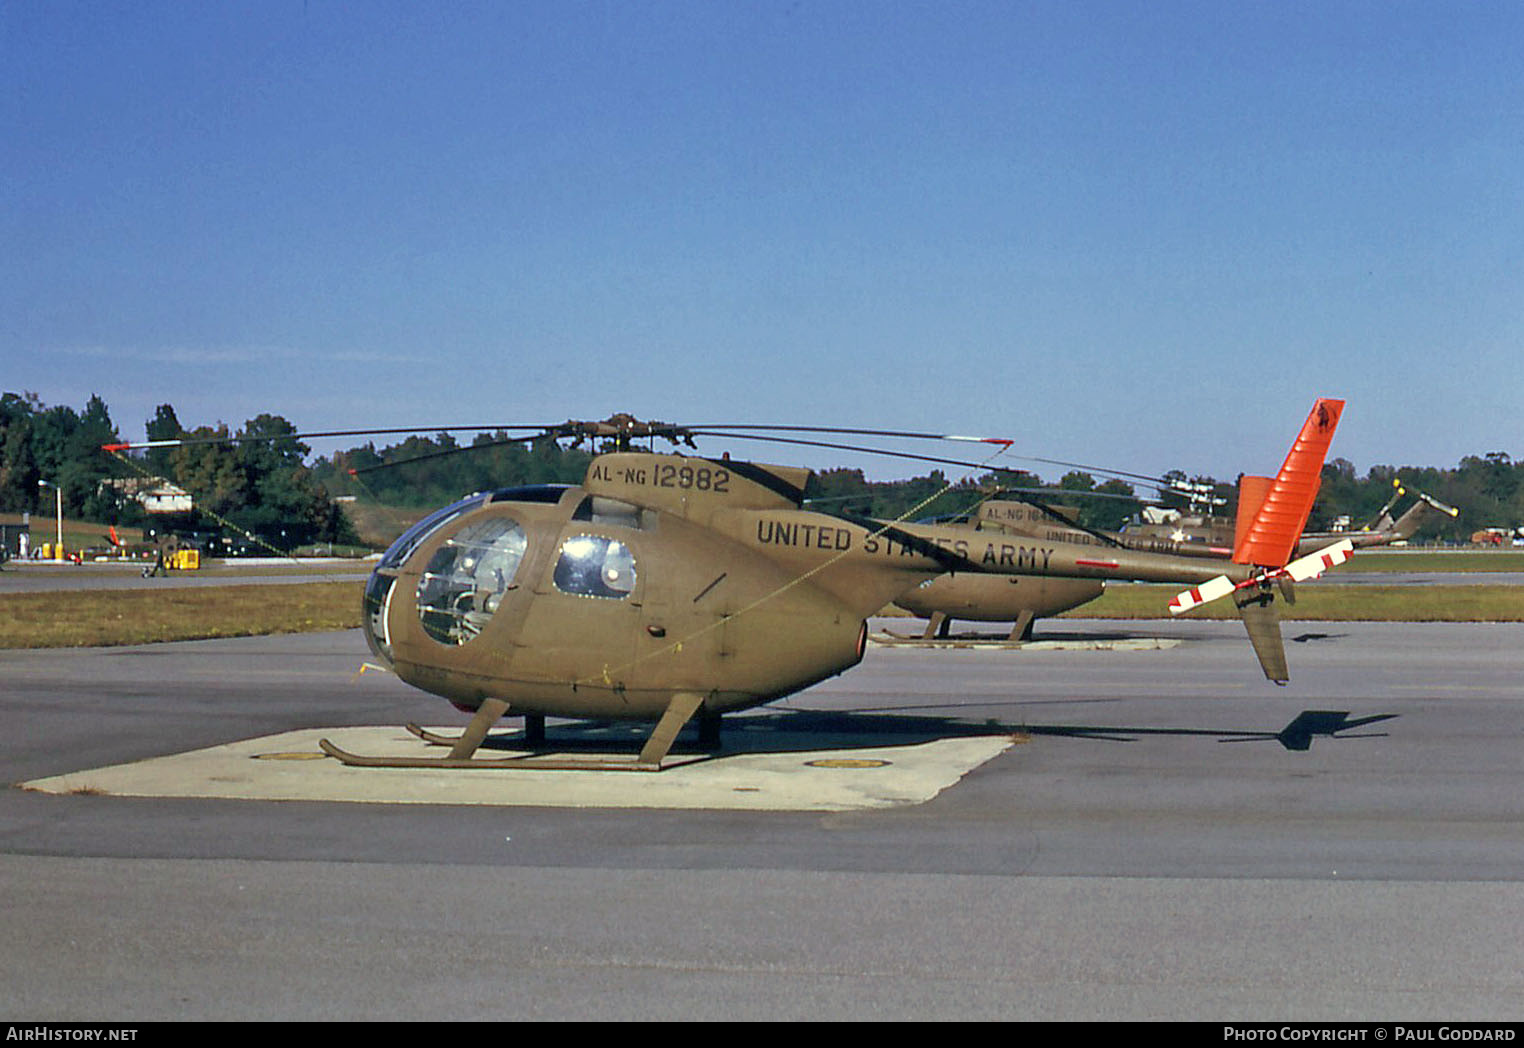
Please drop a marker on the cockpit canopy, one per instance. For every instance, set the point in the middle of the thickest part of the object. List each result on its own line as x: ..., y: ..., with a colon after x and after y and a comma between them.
x: 469, y: 574
x: 466, y: 577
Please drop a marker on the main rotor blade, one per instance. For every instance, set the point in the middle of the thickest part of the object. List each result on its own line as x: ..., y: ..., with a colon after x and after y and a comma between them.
x: 179, y: 442
x: 712, y: 430
x: 908, y: 435
x: 625, y: 427
x: 445, y: 453
x: 911, y: 456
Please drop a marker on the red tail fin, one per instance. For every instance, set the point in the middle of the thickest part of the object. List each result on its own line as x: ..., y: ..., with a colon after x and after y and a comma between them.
x: 1270, y: 538
x: 1251, y: 496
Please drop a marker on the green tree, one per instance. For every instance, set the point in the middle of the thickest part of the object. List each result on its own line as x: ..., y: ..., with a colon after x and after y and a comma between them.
x: 19, y: 472
x: 164, y: 425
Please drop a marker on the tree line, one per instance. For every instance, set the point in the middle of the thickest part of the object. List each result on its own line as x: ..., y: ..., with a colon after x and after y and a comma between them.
x: 262, y: 479
x: 253, y: 481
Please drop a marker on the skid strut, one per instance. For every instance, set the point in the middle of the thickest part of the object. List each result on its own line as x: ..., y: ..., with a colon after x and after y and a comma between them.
x: 679, y: 711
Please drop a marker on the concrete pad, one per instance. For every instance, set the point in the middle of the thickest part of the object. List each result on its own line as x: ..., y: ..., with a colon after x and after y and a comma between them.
x: 291, y: 767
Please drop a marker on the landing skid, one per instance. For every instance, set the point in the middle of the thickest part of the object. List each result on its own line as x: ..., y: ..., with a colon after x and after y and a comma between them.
x: 463, y: 747
x: 433, y: 738
x: 534, y: 733
x: 530, y: 763
x: 939, y: 627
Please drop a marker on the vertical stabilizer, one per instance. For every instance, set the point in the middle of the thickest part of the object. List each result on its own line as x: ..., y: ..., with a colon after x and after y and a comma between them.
x: 1270, y: 539
x: 1251, y: 496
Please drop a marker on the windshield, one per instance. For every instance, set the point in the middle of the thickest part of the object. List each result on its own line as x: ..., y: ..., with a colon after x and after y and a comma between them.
x: 466, y: 578
x: 378, y: 590
x: 414, y: 535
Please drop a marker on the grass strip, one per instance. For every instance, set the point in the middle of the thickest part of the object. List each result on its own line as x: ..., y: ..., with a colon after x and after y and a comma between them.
x: 1432, y: 560
x: 1326, y: 603
x: 105, y: 618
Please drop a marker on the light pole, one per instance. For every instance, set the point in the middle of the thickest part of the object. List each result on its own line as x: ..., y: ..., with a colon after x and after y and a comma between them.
x: 58, y: 550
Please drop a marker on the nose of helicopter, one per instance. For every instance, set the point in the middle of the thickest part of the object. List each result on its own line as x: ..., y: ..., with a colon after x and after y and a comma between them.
x: 378, y: 590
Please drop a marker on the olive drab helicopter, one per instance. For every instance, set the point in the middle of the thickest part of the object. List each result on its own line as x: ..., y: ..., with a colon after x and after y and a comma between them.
x: 1017, y: 599
x: 983, y: 598
x: 671, y: 587
x: 1212, y: 536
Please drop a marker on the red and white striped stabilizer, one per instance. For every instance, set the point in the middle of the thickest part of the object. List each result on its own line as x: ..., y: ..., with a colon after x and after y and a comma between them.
x: 1299, y: 570
x: 1196, y: 596
x: 1314, y: 564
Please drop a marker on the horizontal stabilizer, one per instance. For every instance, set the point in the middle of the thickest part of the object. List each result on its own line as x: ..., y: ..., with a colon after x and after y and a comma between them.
x: 1314, y: 564
x: 1196, y: 596
x: 1299, y: 570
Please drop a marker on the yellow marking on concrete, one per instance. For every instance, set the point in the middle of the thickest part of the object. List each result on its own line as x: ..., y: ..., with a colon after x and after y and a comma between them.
x: 771, y: 781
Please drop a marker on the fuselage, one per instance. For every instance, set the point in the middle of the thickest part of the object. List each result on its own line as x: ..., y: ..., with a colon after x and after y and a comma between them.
x: 665, y: 574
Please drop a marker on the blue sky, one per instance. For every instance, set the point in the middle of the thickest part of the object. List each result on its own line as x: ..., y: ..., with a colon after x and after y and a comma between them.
x: 1138, y: 235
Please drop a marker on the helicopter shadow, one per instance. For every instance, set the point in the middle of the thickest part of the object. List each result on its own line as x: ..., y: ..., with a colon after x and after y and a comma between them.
x: 808, y: 731
x: 774, y: 731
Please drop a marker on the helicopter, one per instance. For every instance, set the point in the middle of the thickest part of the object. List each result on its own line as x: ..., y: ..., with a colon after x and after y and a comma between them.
x: 1017, y: 599
x: 670, y: 587
x: 1212, y: 536
x: 981, y: 598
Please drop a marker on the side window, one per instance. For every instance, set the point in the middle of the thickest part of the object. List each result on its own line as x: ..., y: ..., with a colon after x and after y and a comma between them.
x: 466, y: 578
x: 594, y: 566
